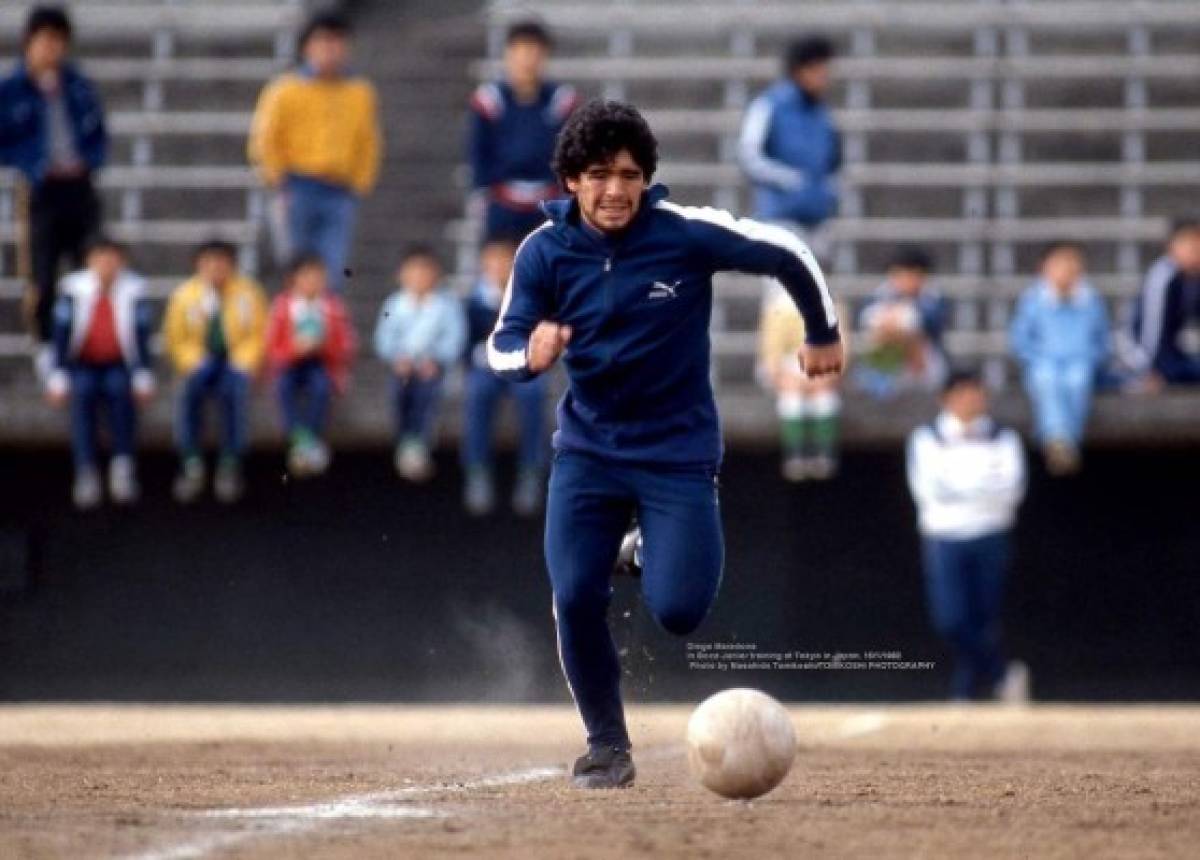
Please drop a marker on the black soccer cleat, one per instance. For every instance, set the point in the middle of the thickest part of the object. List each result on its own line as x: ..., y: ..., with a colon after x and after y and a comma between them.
x: 604, y: 767
x: 629, y: 557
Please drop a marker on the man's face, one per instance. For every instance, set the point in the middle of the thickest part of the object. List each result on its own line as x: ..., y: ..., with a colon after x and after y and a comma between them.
x: 419, y: 275
x: 966, y: 401
x: 525, y: 61
x: 813, y: 78
x: 1063, y: 268
x: 609, y: 194
x: 1184, y: 250
x: 214, y: 267
x: 309, y: 282
x: 46, y: 50
x: 907, y: 281
x: 106, y: 264
x: 327, y: 52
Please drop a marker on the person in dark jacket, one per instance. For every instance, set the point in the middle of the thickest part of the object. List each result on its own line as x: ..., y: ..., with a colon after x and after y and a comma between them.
x: 52, y: 131
x: 1166, y: 317
x: 619, y: 284
x: 484, y: 391
x: 789, y: 147
x: 512, y: 126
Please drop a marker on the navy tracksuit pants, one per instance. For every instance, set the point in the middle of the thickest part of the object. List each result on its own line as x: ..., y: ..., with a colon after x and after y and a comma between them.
x: 590, y: 505
x: 964, y: 584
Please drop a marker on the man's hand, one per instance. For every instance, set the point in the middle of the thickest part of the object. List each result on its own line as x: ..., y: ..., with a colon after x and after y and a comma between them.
x: 546, y: 344
x: 818, y: 361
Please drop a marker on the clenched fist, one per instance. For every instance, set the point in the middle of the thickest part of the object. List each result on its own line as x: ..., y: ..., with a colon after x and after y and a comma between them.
x: 546, y: 344
x: 827, y: 360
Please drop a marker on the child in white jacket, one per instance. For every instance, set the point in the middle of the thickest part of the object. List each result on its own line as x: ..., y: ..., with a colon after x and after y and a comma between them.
x: 420, y: 334
x: 967, y: 476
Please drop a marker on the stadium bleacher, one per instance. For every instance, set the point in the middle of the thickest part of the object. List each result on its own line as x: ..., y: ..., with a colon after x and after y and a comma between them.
x: 981, y: 129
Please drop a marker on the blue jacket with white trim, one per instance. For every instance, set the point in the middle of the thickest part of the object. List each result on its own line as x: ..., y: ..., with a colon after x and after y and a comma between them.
x: 24, y: 138
x: 639, y: 305
x: 791, y: 150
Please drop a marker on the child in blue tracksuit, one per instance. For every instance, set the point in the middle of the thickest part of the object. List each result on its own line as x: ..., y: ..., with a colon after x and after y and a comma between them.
x: 512, y: 125
x: 484, y: 390
x: 1060, y: 335
x: 419, y: 335
x: 619, y: 283
x: 102, y: 364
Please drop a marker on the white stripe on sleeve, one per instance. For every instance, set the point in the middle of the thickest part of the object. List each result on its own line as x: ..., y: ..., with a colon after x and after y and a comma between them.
x: 771, y: 234
x: 516, y: 359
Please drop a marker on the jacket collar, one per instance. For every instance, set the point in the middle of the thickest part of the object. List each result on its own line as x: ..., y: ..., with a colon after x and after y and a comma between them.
x: 1078, y: 298
x: 953, y: 429
x: 67, y: 70
x: 564, y: 213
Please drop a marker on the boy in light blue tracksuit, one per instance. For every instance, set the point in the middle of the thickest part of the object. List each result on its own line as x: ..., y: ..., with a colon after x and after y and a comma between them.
x: 420, y: 334
x: 618, y: 283
x: 1060, y: 335
x: 789, y: 147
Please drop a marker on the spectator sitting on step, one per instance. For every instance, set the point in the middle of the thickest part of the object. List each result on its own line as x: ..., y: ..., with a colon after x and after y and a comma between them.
x: 316, y: 142
x: 420, y: 335
x: 52, y: 130
x: 1059, y: 334
x: 102, y: 358
x: 903, y: 324
x: 789, y: 147
x: 484, y: 390
x: 809, y: 410
x: 215, y: 334
x: 967, y: 477
x: 1163, y: 347
x: 513, y: 123
x: 310, y: 344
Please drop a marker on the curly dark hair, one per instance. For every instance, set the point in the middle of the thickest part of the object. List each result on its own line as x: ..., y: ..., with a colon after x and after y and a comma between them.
x: 596, y: 132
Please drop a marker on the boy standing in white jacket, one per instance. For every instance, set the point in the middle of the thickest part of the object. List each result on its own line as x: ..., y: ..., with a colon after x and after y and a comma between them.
x: 967, y: 477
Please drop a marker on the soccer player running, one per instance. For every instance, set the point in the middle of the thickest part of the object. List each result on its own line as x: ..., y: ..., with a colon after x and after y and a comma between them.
x: 618, y: 283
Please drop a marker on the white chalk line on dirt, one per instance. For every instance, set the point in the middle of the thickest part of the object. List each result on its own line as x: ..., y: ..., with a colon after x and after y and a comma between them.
x: 298, y: 819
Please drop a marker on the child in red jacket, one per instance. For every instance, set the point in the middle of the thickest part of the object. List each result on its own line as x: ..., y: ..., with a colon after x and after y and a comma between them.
x: 310, y: 344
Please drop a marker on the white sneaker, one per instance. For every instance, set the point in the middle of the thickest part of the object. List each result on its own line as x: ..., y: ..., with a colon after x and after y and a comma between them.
x: 318, y: 457
x: 122, y: 480
x: 413, y: 461
x: 1014, y: 687
x: 85, y: 492
x: 43, y: 363
x: 794, y: 469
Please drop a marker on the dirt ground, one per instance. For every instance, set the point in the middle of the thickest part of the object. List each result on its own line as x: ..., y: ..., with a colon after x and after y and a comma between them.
x: 359, y: 782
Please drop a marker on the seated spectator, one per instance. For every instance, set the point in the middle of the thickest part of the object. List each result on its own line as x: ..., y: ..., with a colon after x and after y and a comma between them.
x: 809, y: 409
x: 512, y: 126
x: 52, y: 130
x: 1059, y: 334
x: 903, y: 325
x: 419, y: 335
x: 1166, y: 317
x: 309, y: 344
x: 215, y: 334
x: 485, y: 389
x: 967, y: 477
x: 317, y: 144
x: 102, y: 359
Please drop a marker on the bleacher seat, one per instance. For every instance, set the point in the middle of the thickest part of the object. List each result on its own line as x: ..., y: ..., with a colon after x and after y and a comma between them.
x: 981, y: 129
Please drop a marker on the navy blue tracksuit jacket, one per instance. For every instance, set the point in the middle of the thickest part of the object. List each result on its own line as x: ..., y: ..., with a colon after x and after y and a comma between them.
x: 639, y: 305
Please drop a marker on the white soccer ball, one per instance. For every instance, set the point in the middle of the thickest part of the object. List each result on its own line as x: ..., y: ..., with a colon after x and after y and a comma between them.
x: 740, y: 743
